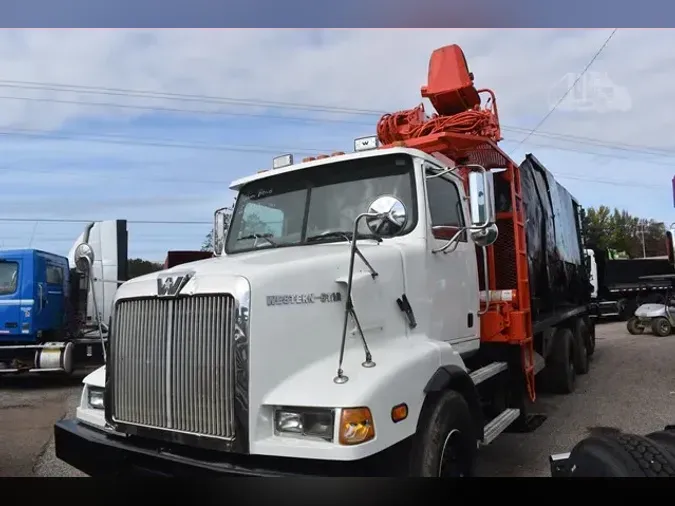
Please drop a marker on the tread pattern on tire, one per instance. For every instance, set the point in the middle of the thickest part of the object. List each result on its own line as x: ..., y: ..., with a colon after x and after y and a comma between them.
x: 621, y: 455
x: 652, y: 459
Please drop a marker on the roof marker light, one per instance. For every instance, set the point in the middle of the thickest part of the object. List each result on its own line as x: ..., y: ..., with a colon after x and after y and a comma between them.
x: 366, y: 143
x: 282, y: 161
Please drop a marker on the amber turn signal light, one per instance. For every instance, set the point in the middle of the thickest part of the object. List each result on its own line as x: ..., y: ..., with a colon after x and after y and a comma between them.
x: 399, y: 412
x: 356, y: 426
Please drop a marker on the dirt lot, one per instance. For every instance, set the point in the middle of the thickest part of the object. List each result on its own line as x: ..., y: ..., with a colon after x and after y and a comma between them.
x: 631, y: 386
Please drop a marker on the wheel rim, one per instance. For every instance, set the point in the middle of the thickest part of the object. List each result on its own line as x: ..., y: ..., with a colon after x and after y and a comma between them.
x: 664, y: 327
x: 450, y: 463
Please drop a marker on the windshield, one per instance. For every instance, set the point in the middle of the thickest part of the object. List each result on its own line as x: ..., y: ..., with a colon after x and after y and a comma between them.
x: 8, y: 272
x: 288, y: 209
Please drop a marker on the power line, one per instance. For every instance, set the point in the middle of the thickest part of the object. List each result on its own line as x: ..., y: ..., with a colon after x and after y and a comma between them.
x: 625, y: 147
x: 572, y: 138
x: 127, y: 140
x: 80, y: 220
x: 246, y: 102
x: 595, y: 56
x: 174, y: 143
x: 276, y: 150
x: 182, y: 110
x: 286, y: 105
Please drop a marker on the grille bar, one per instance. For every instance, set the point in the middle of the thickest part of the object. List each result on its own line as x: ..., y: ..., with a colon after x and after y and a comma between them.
x: 172, y: 364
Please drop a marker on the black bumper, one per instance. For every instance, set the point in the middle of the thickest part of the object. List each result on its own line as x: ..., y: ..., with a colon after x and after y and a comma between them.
x: 100, y: 454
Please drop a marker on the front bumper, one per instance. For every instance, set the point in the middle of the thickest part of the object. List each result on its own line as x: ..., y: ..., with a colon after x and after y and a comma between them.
x: 97, y: 453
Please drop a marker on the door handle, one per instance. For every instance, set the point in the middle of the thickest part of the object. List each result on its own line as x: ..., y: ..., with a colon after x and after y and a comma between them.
x: 41, y: 297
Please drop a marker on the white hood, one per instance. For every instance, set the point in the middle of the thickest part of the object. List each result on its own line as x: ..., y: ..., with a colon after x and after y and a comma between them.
x: 287, y: 340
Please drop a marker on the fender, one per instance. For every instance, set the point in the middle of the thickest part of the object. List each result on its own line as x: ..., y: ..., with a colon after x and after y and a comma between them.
x: 452, y: 377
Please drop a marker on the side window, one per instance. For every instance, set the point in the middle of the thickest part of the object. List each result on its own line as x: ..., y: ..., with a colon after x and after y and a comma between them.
x: 54, y: 275
x: 9, y: 272
x: 445, y: 207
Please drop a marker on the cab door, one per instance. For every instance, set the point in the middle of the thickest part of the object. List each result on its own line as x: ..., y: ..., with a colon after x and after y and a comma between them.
x: 10, y: 296
x: 453, y: 273
x: 50, y: 303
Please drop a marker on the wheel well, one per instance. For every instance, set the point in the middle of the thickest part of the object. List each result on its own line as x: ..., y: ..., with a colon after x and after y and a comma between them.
x: 455, y: 378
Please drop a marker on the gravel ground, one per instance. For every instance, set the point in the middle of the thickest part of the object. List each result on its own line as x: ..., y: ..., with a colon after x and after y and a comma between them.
x: 631, y: 387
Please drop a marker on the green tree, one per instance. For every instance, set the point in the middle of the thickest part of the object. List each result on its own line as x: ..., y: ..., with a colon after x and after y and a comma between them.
x: 139, y: 267
x: 623, y: 234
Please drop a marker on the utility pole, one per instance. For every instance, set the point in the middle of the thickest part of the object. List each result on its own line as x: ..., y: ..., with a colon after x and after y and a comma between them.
x: 642, y: 230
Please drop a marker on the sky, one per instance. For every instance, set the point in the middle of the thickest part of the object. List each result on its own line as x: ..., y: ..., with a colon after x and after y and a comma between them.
x: 154, y: 125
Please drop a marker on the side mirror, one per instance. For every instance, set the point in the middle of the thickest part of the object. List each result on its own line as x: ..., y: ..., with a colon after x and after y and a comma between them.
x: 221, y: 222
x: 482, y: 199
x: 386, y: 216
x: 84, y: 258
x: 483, y: 230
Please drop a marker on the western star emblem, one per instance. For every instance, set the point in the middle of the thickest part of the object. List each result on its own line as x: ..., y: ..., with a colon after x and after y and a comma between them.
x: 169, y: 286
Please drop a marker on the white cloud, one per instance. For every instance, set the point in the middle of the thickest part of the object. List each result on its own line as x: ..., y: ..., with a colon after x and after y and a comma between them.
x: 365, y: 69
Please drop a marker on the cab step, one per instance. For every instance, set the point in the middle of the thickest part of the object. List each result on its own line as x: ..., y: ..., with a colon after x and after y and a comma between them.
x: 499, y: 424
x: 487, y: 372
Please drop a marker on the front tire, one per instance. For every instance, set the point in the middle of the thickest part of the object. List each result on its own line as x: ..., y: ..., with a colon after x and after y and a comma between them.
x: 661, y: 326
x: 445, y: 442
x: 634, y: 326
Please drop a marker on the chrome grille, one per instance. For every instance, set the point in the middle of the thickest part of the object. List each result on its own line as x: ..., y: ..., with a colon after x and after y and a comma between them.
x: 172, y: 364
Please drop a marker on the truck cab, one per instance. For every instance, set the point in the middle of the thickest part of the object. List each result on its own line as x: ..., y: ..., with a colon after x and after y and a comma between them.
x: 33, y: 296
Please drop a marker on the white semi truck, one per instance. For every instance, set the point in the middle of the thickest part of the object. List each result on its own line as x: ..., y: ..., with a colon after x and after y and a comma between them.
x: 373, y: 313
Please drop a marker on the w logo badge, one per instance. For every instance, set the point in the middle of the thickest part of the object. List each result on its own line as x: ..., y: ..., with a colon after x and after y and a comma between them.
x: 170, y: 286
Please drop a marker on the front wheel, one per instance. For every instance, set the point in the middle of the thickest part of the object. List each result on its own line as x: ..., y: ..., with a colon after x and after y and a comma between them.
x: 445, y: 443
x: 661, y: 326
x: 634, y: 326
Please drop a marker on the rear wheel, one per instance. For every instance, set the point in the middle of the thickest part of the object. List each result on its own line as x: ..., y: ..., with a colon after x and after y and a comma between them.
x: 445, y: 443
x: 581, y: 339
x: 661, y: 326
x: 562, y: 375
x: 634, y: 326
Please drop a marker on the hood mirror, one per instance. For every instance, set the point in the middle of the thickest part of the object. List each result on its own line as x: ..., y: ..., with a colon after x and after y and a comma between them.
x: 84, y: 257
x: 387, y: 216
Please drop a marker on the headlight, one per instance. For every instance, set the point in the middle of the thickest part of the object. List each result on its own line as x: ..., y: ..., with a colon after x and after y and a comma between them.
x: 305, y: 422
x: 95, y: 397
x: 356, y: 426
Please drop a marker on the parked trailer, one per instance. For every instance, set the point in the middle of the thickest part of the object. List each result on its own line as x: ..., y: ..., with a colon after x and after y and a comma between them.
x: 382, y: 312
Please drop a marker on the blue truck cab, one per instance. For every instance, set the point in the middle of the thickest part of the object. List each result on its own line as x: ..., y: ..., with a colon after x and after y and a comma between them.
x: 52, y: 314
x: 34, y: 291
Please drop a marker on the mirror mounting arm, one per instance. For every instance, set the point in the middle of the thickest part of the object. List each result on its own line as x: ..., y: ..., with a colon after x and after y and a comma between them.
x: 349, y: 307
x: 453, y: 240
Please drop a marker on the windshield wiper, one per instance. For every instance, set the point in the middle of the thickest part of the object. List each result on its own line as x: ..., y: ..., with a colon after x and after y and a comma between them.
x: 342, y: 234
x: 260, y: 236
